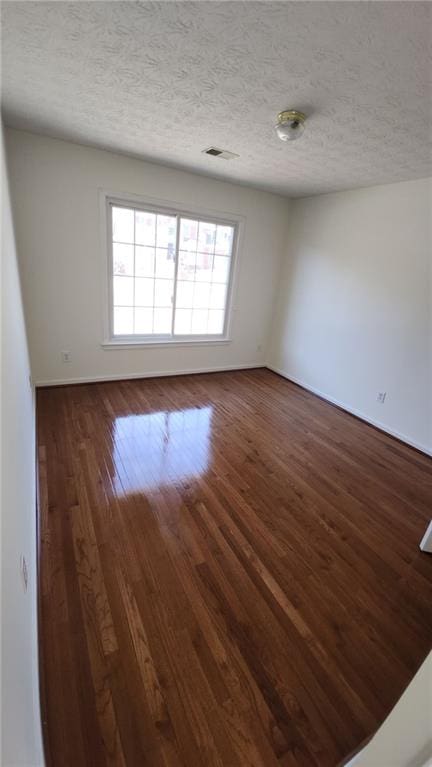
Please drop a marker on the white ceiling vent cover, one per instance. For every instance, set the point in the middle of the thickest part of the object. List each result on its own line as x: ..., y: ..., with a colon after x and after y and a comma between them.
x: 222, y: 153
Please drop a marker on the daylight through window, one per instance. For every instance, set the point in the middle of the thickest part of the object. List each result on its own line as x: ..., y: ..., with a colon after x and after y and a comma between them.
x: 170, y: 274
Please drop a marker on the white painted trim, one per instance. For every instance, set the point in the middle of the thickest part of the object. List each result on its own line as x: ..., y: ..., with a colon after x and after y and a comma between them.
x: 173, y: 206
x: 355, y: 759
x: 353, y: 411
x: 249, y: 366
x: 168, y: 207
x: 153, y: 374
x: 426, y: 541
x: 186, y: 341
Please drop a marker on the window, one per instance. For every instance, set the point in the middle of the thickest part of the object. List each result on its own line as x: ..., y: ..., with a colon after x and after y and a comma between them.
x: 170, y: 274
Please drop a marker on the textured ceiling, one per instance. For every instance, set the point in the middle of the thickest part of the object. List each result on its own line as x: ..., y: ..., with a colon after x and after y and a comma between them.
x: 164, y: 80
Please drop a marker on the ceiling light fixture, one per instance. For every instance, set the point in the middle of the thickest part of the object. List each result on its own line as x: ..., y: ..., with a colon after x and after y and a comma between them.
x: 290, y: 124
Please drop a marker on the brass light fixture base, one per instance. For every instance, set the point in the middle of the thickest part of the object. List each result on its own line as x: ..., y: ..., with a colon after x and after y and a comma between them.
x: 290, y: 124
x: 291, y: 114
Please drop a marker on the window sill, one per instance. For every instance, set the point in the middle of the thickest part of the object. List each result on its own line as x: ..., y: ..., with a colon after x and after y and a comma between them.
x: 110, y: 345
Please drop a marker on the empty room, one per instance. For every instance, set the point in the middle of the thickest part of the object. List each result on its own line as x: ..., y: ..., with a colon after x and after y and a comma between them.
x: 216, y: 384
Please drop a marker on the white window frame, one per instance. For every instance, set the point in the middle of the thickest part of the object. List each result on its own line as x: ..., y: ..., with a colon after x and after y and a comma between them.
x: 164, y: 207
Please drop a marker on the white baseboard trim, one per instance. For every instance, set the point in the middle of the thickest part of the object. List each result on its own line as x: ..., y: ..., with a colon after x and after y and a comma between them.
x: 249, y: 366
x: 353, y: 411
x: 153, y: 374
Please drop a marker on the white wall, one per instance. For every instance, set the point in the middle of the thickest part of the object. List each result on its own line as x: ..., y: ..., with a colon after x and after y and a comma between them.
x: 21, y: 738
x: 353, y: 315
x: 405, y: 738
x: 55, y: 189
x: 354, y: 311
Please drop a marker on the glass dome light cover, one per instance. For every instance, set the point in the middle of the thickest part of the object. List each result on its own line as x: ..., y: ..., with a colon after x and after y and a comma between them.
x: 290, y: 124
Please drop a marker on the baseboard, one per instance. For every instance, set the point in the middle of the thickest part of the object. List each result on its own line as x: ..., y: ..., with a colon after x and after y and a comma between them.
x: 162, y: 373
x: 153, y: 374
x: 357, y: 413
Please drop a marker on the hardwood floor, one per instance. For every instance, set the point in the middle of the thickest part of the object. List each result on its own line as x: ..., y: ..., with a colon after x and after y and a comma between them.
x: 230, y: 573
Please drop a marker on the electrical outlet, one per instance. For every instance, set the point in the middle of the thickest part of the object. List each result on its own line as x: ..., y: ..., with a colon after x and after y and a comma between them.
x: 66, y: 356
x: 24, y: 572
x: 381, y: 397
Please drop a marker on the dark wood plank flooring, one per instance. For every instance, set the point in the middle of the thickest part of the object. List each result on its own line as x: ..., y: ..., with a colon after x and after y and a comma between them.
x: 229, y: 575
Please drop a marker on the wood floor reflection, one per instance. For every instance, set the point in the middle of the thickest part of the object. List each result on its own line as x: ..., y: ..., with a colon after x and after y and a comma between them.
x: 229, y: 574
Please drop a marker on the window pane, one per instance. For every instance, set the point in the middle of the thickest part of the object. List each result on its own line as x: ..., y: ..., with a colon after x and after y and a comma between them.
x: 220, y: 269
x: 123, y: 321
x: 224, y: 238
x: 215, y: 321
x: 123, y: 224
x: 206, y: 237
x: 144, y: 261
x: 144, y: 321
x: 145, y: 227
x: 166, y: 232
x: 186, y: 268
x: 184, y: 298
x: 199, y: 321
x: 204, y: 264
x: 165, y: 262
x: 183, y: 320
x: 188, y: 235
x: 144, y: 292
x: 202, y: 295
x: 217, y: 296
x: 162, y: 321
x: 163, y: 292
x: 123, y: 291
x: 144, y: 271
x: 123, y: 258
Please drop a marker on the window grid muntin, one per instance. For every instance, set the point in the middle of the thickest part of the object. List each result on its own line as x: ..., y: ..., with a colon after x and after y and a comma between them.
x: 180, y: 216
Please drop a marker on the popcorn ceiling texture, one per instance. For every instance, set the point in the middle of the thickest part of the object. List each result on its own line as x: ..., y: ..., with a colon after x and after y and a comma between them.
x: 164, y: 80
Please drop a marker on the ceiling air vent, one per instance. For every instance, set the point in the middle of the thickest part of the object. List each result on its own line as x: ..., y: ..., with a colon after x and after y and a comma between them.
x: 223, y: 153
